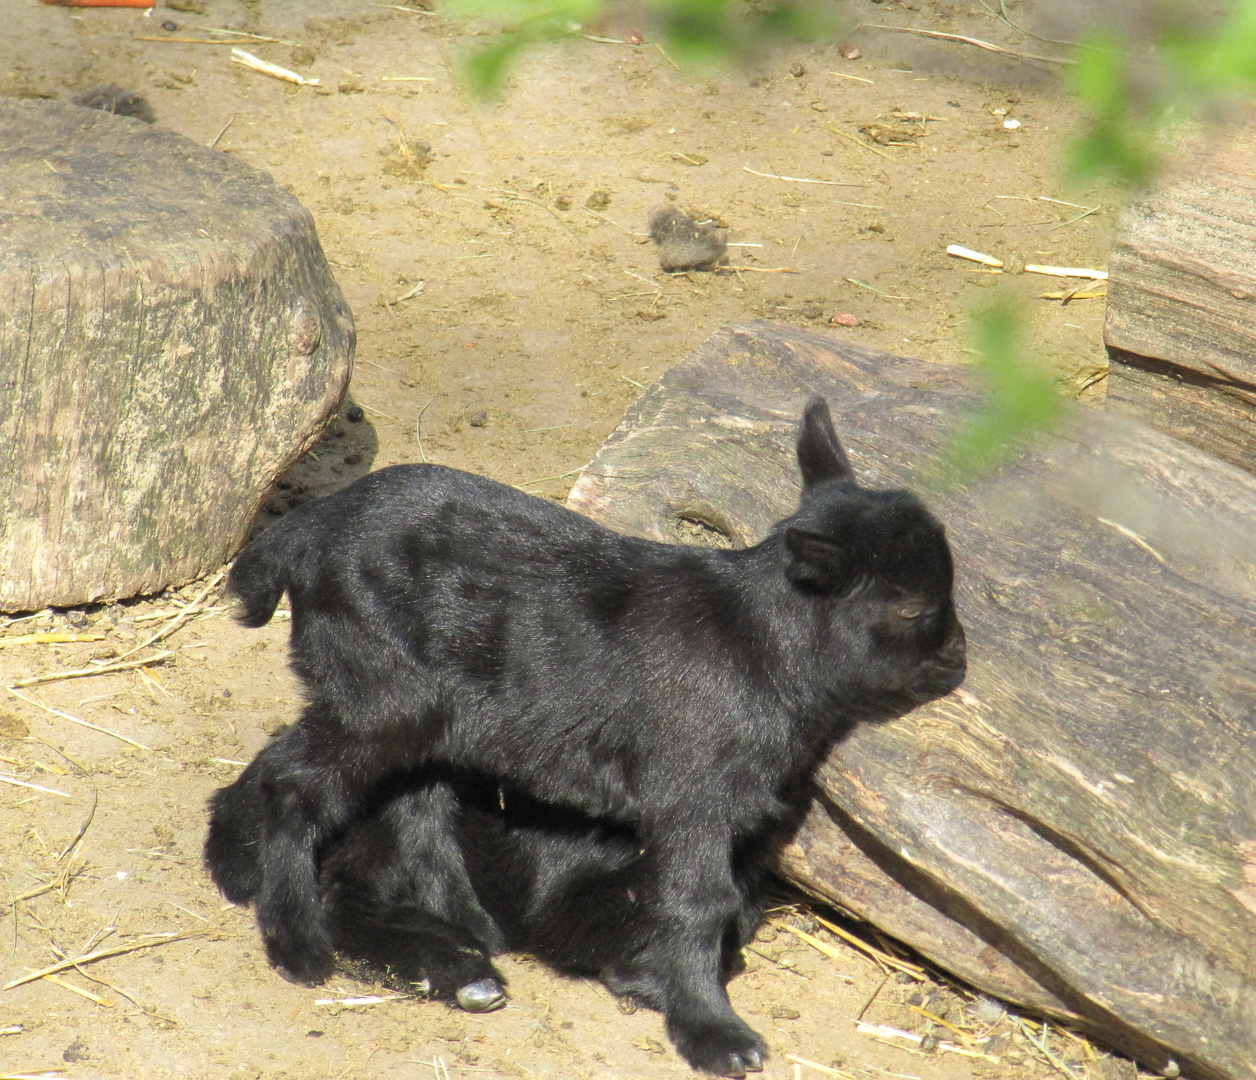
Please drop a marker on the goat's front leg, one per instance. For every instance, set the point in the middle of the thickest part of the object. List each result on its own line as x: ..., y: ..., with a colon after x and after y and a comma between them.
x: 693, y: 907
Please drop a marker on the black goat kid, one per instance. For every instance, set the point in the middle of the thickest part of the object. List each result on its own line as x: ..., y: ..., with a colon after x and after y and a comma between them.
x: 524, y: 730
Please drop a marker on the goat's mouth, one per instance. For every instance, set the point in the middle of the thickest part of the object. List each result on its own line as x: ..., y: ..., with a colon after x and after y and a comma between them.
x: 883, y: 703
x: 942, y: 673
x: 947, y: 679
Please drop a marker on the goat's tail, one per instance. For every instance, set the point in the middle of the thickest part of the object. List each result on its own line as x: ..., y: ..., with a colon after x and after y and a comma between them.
x: 263, y: 572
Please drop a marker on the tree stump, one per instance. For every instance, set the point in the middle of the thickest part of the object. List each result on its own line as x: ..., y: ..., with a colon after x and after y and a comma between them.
x: 171, y: 339
x: 1181, y: 317
x: 1075, y: 828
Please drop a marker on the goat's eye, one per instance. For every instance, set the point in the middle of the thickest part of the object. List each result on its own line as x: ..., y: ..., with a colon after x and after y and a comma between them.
x: 910, y: 611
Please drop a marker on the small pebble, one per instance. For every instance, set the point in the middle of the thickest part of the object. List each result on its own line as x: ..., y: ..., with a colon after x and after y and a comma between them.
x: 354, y: 414
x: 76, y: 1051
x: 684, y: 244
x: 169, y: 26
x: 985, y: 1010
x: 478, y: 419
x: 844, y: 320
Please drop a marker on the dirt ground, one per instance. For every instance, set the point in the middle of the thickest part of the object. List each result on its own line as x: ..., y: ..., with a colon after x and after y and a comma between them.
x: 509, y: 308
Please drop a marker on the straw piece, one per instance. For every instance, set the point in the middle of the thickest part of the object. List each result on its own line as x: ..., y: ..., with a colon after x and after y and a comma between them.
x: 248, y: 60
x: 103, y: 669
x: 34, y: 787
x: 969, y: 41
x: 816, y: 943
x: 915, y: 970
x: 1135, y: 539
x: 184, y: 40
x: 1067, y: 271
x: 974, y: 256
x: 193, y: 608
x: 56, y: 980
x: 1079, y: 293
x: 857, y: 142
x: 48, y: 637
x: 885, y: 1032
x: 359, y: 1001
x: 800, y: 180
x: 818, y: 1067
x: 74, y: 719
x: 963, y: 1036
x: 99, y: 954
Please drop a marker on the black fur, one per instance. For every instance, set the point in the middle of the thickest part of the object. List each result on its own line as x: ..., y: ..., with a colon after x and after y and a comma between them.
x: 524, y: 730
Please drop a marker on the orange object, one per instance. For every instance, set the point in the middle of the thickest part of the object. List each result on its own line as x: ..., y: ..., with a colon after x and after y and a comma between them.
x: 102, y: 3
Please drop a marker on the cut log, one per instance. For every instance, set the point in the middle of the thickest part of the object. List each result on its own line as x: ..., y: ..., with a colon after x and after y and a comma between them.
x: 1181, y: 316
x: 171, y: 339
x: 1075, y: 828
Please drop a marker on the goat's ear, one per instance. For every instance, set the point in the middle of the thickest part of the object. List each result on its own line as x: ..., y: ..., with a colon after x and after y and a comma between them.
x: 818, y: 561
x: 820, y: 455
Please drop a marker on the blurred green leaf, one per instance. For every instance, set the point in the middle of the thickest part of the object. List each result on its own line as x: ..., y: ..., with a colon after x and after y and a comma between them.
x: 697, y: 34
x: 1021, y: 400
x: 1190, y: 67
x: 485, y: 68
x: 1186, y: 65
x: 1118, y: 138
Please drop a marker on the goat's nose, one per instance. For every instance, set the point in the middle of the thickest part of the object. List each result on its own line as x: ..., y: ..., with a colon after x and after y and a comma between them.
x: 952, y: 656
x: 955, y: 648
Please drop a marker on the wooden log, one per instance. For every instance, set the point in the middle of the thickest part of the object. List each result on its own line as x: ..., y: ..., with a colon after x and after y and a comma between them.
x: 171, y: 339
x: 1181, y: 315
x: 1075, y: 828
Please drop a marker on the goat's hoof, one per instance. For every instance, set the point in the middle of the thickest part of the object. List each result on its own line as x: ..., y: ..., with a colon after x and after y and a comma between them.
x: 302, y: 967
x: 305, y: 982
x: 725, y: 1048
x: 483, y: 995
x: 751, y: 1060
x: 737, y: 1065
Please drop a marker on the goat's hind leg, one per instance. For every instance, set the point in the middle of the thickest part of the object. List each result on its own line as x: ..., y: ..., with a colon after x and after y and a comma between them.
x: 400, y: 899
x: 412, y: 950
x: 305, y: 796
x: 261, y: 847
x: 233, y: 846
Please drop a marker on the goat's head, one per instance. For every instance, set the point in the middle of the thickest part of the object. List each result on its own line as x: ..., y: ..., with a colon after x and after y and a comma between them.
x: 877, y: 568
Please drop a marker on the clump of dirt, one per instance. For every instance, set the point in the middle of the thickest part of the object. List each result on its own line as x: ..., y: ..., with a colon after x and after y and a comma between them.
x: 510, y: 306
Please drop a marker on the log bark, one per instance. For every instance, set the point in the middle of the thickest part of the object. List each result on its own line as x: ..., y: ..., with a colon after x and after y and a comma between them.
x: 171, y: 339
x: 1181, y: 315
x: 1075, y: 828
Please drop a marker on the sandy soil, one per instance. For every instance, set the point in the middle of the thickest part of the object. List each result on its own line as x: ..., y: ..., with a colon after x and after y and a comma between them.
x: 504, y: 290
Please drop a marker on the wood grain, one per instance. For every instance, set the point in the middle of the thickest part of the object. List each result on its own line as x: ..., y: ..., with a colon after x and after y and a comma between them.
x: 1075, y: 829
x: 1181, y: 315
x: 171, y: 338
